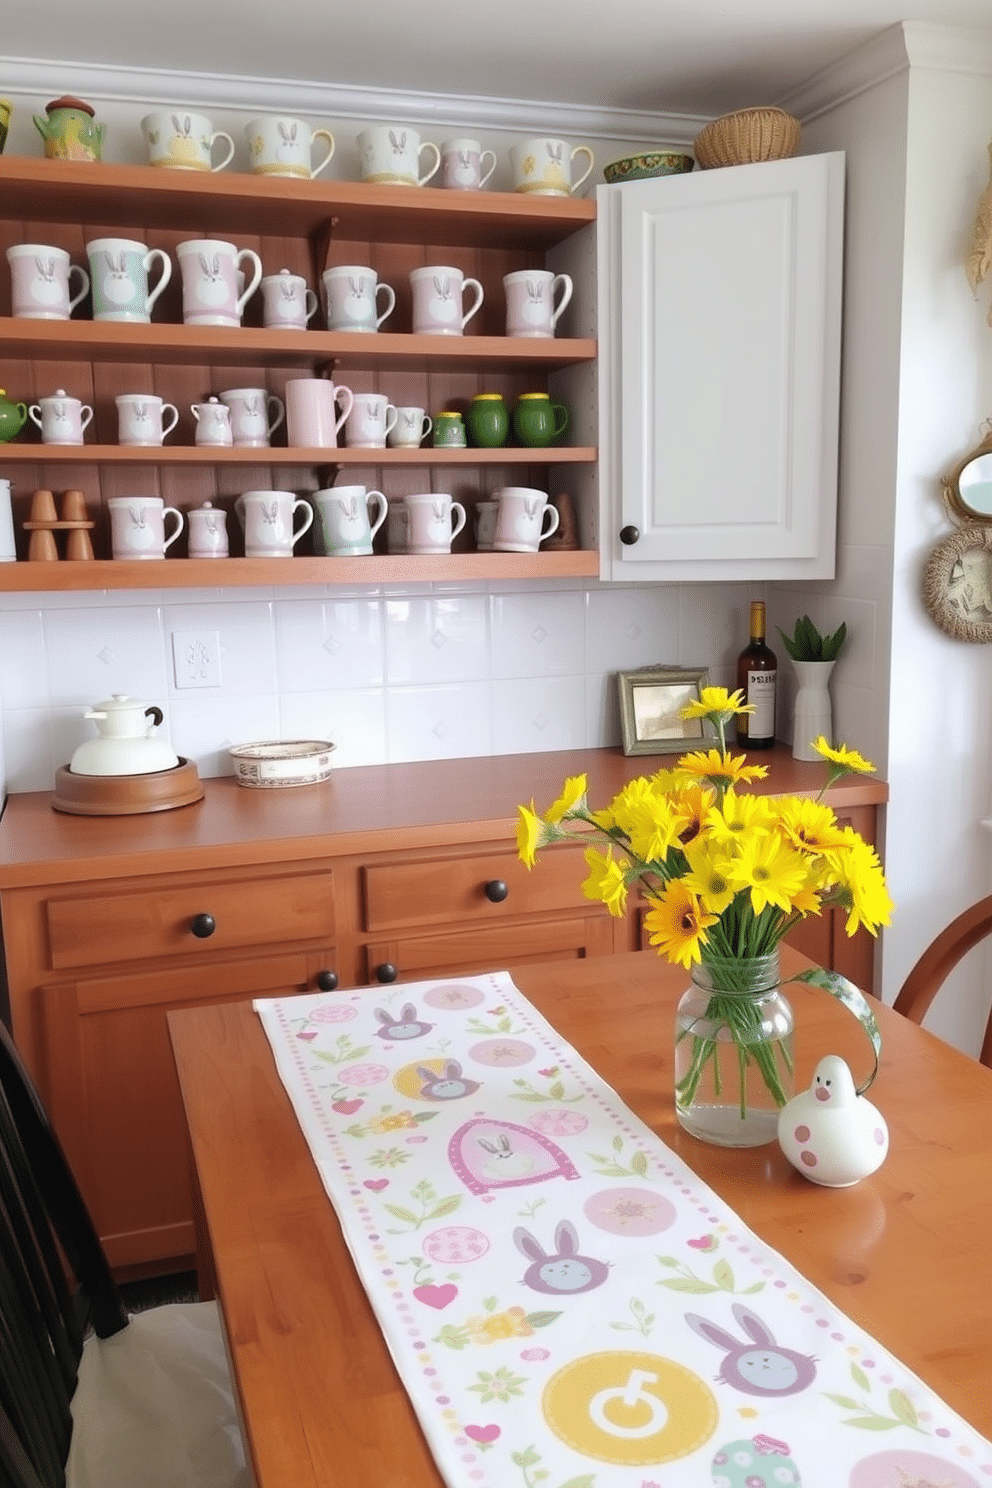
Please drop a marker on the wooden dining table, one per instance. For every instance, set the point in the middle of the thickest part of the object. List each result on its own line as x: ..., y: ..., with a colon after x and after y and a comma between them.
x: 904, y: 1253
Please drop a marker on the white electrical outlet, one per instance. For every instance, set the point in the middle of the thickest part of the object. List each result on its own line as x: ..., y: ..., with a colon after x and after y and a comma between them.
x: 196, y: 658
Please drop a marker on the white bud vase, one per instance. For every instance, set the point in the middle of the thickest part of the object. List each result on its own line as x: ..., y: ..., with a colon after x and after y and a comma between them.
x: 813, y: 715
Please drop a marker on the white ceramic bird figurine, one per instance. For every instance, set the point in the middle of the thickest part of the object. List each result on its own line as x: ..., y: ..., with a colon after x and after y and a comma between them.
x: 833, y: 1135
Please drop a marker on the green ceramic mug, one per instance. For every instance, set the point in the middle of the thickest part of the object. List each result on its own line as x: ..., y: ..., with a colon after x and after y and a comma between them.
x: 537, y: 421
x: 487, y: 420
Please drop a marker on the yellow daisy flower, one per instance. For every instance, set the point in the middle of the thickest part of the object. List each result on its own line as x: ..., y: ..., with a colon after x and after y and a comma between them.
x: 809, y: 825
x: 862, y: 885
x: 770, y: 869
x: 737, y: 817
x: 573, y: 795
x: 848, y: 759
x: 677, y: 924
x: 530, y: 832
x: 707, y: 876
x: 712, y: 765
x: 606, y: 881
x: 714, y: 700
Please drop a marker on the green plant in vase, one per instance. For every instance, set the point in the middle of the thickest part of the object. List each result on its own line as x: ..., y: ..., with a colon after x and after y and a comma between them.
x: 813, y: 656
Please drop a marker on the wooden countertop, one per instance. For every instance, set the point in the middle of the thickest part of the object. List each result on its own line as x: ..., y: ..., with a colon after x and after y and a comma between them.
x: 422, y: 804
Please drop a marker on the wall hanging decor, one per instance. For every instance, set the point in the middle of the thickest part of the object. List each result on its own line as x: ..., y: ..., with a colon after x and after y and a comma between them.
x: 957, y: 580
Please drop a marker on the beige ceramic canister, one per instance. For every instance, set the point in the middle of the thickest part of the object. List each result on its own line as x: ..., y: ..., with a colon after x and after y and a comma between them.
x: 207, y: 531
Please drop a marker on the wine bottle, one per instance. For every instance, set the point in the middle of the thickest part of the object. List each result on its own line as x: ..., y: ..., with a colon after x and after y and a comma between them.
x: 757, y: 673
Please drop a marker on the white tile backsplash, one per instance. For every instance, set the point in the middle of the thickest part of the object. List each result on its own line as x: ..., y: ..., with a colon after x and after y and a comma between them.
x: 388, y: 673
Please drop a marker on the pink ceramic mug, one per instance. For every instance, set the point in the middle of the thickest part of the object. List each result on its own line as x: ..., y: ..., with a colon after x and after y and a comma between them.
x: 532, y: 308
x: 312, y: 417
x: 439, y: 300
x: 434, y: 521
x: 209, y: 268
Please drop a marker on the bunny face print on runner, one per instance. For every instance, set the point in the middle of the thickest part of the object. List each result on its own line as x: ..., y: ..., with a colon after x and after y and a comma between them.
x: 757, y: 1365
x: 564, y: 1273
x: 399, y: 1029
x: 448, y: 1084
x: 390, y: 155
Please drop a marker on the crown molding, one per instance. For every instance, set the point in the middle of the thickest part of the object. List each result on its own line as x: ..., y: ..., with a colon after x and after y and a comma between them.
x: 152, y: 88
x: 898, y: 49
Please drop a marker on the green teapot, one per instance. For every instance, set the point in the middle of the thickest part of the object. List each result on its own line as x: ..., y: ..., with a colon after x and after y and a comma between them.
x: 13, y: 417
x: 69, y: 130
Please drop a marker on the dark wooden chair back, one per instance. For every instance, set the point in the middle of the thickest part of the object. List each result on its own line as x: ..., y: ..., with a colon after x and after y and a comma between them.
x: 939, y: 959
x: 55, y: 1283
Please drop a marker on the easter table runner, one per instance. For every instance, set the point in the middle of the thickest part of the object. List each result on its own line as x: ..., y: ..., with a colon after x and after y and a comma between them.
x: 567, y: 1304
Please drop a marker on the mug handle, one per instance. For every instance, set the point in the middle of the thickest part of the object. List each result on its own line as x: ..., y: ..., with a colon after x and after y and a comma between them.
x: 489, y: 155
x: 220, y: 134
x: 239, y: 507
x: 304, y: 506
x: 378, y: 501
x: 169, y: 408
x: 250, y: 256
x: 479, y: 293
x: 429, y: 145
x: 426, y: 426
x: 85, y: 416
x: 157, y: 255
x: 561, y: 418
x: 312, y: 304
x: 275, y: 411
x: 458, y: 517
x: 552, y: 512
x: 390, y: 422
x: 583, y: 150
x: 564, y: 283
x: 348, y: 398
x: 172, y: 511
x: 390, y: 307
x: 84, y: 279
x: 323, y: 134
x: 34, y: 414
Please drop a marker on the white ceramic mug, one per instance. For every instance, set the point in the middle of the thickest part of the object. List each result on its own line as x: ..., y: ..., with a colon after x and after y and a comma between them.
x: 465, y: 165
x: 288, y: 303
x: 439, y: 300
x: 213, y: 423
x: 41, y: 282
x: 141, y: 418
x: 412, y: 426
x: 484, y: 515
x: 543, y: 167
x: 389, y: 155
x: 181, y: 140
x: 209, y: 268
x: 353, y: 292
x: 119, y: 278
x: 137, y: 526
x: 269, y: 518
x: 207, y: 531
x: 60, y: 418
x: 525, y: 518
x: 372, y: 417
x: 535, y: 299
x: 313, y: 419
x: 435, y: 520
x: 279, y: 146
x: 255, y: 415
x: 350, y: 517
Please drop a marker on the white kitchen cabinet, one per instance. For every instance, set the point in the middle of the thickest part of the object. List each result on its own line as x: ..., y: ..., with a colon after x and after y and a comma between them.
x: 719, y: 372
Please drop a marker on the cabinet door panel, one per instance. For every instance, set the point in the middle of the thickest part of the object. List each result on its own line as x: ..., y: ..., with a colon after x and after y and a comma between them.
x: 113, y: 1095
x: 490, y: 949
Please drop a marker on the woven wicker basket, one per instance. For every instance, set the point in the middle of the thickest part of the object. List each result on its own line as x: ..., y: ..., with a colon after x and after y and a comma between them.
x: 749, y: 135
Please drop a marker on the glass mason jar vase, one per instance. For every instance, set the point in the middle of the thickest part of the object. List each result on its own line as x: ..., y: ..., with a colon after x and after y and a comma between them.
x: 733, y: 1051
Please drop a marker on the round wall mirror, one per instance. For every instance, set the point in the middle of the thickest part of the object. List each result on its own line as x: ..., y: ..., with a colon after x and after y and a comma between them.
x: 968, y: 490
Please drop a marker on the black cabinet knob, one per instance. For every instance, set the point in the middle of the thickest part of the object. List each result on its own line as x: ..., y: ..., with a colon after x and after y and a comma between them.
x: 629, y: 536
x: 496, y: 891
x: 203, y: 926
x: 326, y: 980
x: 387, y: 972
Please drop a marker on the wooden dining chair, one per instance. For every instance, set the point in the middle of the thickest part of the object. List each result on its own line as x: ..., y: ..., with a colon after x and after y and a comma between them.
x: 939, y: 959
x: 90, y: 1397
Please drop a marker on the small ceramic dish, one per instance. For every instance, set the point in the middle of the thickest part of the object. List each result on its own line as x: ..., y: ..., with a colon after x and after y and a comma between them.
x: 643, y: 167
x: 272, y: 764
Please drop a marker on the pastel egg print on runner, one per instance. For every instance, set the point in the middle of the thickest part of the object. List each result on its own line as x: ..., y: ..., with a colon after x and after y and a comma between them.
x: 567, y: 1304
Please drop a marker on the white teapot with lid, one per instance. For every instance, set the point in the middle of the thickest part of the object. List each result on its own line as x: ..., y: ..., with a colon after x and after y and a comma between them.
x: 128, y: 742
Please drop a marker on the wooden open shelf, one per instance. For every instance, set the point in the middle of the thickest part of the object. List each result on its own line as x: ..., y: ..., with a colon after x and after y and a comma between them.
x: 190, y: 454
x: 249, y: 573
x: 124, y: 195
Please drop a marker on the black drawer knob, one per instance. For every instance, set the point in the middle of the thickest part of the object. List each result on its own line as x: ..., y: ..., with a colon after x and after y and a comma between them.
x: 387, y: 972
x: 496, y: 891
x: 203, y: 926
x: 629, y: 536
x: 326, y: 980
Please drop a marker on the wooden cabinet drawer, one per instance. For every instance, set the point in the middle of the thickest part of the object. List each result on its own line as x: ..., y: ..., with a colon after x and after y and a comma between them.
x: 451, y: 888
x: 490, y: 947
x: 122, y: 924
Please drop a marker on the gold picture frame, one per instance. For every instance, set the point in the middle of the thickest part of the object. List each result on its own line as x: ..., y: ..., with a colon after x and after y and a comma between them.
x: 651, y: 700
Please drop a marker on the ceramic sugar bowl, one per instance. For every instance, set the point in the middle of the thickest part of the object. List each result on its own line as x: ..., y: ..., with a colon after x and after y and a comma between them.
x: 830, y: 1133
